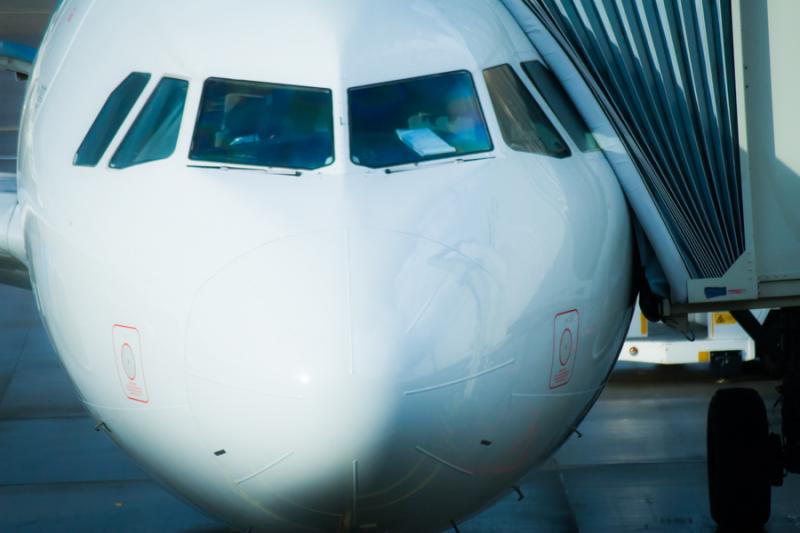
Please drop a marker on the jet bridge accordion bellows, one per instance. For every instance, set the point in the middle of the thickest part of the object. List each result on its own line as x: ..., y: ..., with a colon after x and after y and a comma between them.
x: 663, y: 71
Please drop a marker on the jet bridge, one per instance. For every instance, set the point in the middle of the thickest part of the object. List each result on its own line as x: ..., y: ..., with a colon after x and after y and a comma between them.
x: 694, y: 105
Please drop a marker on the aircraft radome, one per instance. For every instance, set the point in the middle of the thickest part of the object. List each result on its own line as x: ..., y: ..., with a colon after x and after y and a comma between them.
x: 320, y: 265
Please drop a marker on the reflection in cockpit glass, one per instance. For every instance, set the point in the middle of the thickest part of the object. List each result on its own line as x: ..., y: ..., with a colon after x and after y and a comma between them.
x: 416, y: 120
x: 264, y: 124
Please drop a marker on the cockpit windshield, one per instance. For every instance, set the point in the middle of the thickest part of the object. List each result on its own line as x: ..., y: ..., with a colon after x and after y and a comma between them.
x: 264, y: 124
x: 416, y: 120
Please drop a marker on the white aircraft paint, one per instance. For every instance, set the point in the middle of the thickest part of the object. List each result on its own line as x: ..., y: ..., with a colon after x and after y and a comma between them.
x: 343, y: 350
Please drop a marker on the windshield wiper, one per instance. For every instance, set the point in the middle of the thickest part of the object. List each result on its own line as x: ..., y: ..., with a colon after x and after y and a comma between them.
x: 426, y: 164
x: 278, y: 171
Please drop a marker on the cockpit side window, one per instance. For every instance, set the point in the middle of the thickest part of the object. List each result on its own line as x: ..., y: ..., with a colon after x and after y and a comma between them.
x: 154, y: 133
x: 561, y: 104
x: 419, y: 119
x: 109, y: 120
x: 524, y: 125
x: 264, y: 124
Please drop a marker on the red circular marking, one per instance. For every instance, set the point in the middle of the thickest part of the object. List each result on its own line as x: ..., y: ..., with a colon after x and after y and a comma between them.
x: 565, y: 347
x: 128, y: 361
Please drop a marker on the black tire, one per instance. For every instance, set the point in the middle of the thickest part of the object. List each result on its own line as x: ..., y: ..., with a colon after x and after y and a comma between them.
x: 739, y: 482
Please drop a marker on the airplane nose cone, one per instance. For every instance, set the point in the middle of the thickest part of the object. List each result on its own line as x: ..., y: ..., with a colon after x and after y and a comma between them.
x: 298, y: 355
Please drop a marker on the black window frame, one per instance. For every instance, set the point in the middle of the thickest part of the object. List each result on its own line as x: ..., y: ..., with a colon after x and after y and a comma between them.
x: 427, y: 159
x: 234, y: 164
x: 140, y: 116
x: 523, y: 89
x: 584, y: 141
x: 110, y: 133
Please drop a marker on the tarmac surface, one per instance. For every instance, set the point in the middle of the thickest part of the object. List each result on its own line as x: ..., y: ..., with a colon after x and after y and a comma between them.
x: 640, y: 465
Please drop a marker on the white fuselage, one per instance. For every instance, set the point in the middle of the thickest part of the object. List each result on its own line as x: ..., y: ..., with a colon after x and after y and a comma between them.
x: 343, y: 349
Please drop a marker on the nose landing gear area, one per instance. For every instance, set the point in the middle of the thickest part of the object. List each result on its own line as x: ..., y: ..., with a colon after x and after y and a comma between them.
x: 745, y: 460
x: 739, y: 462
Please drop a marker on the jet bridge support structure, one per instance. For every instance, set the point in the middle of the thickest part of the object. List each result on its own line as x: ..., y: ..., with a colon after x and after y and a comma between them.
x: 694, y: 104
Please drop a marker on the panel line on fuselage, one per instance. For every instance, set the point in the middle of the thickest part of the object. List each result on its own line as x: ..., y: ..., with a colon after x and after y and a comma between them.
x: 461, y: 380
x: 438, y: 459
x: 350, y: 303
x: 269, y: 466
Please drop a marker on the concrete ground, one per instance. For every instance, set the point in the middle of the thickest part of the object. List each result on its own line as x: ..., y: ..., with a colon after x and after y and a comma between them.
x: 640, y: 465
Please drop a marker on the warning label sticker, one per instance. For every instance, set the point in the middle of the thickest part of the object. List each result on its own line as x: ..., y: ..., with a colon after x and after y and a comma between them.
x: 723, y: 318
x: 565, y: 347
x: 128, y: 357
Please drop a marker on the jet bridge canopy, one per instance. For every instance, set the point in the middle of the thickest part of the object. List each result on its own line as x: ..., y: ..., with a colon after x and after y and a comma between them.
x: 693, y: 103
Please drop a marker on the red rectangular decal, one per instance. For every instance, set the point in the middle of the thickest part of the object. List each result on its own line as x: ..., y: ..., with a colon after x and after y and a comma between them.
x: 565, y: 347
x: 128, y: 357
